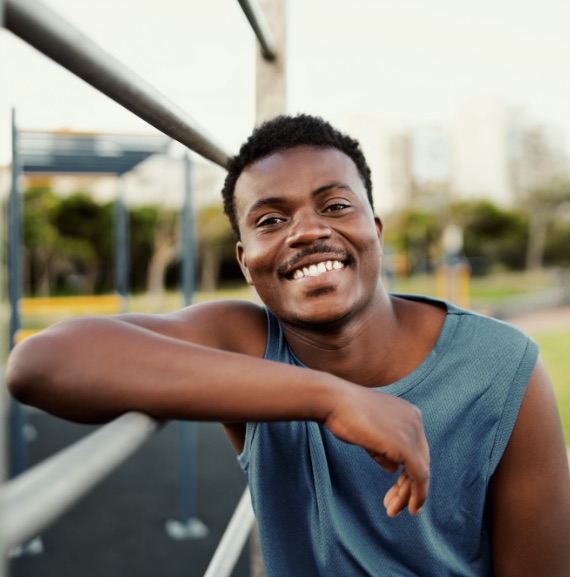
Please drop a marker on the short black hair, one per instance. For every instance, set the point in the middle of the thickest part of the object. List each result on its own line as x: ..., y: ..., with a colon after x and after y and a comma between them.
x: 285, y: 132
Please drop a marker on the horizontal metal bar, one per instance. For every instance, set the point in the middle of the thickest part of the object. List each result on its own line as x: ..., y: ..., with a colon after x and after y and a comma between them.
x: 46, y: 31
x: 30, y: 502
x: 233, y: 540
x: 259, y: 24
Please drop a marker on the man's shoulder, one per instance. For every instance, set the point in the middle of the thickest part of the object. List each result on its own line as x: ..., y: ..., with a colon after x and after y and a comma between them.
x: 232, y: 325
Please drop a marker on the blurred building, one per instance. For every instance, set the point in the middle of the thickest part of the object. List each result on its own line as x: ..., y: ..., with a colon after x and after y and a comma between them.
x: 499, y: 153
x: 420, y: 163
x: 491, y: 151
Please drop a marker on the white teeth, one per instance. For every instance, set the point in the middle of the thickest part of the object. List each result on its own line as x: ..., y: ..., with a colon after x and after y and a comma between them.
x: 317, y: 269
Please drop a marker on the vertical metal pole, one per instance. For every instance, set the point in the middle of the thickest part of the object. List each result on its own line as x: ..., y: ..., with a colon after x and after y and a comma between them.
x: 188, y: 237
x: 18, y: 454
x: 3, y: 430
x: 271, y: 100
x: 121, y: 244
x: 271, y: 75
x: 188, y: 525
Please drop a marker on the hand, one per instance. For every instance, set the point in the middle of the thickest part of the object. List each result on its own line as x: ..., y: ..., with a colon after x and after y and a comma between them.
x: 390, y: 429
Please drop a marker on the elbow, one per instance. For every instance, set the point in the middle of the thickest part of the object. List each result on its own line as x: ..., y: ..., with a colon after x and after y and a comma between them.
x: 28, y: 370
x: 17, y: 380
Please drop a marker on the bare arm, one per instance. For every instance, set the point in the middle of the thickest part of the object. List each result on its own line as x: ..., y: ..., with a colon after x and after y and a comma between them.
x: 92, y: 370
x: 530, y: 491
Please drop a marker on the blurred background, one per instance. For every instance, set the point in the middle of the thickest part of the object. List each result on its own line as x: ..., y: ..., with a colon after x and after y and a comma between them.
x: 461, y: 109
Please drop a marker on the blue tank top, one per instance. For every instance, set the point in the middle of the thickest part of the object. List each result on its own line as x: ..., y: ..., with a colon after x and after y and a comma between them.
x: 318, y: 501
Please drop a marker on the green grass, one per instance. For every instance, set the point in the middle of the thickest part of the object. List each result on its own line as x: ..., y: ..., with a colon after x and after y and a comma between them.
x: 554, y: 349
x: 485, y: 292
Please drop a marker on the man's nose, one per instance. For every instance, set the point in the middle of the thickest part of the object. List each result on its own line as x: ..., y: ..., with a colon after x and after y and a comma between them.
x: 308, y: 228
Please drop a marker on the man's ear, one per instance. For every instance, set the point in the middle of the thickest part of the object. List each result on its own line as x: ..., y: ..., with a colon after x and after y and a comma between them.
x: 379, y: 228
x: 380, y: 232
x: 242, y: 261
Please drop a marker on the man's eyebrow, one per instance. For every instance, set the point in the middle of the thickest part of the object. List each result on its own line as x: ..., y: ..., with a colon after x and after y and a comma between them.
x: 274, y: 200
x: 330, y: 186
x: 260, y: 203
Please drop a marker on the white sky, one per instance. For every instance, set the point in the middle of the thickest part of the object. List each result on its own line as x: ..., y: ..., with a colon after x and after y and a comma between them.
x: 404, y: 62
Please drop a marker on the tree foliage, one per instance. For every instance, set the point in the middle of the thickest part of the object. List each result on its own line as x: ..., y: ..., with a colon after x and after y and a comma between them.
x: 415, y: 234
x: 545, y: 204
x: 68, y: 243
x: 216, y: 245
x: 493, y: 236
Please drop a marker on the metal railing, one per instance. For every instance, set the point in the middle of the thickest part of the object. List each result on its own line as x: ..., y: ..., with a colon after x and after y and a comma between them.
x: 45, y: 30
x: 31, y: 501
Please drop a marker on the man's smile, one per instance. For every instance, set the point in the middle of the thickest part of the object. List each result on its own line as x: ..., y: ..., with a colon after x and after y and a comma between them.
x: 316, y: 269
x: 315, y: 261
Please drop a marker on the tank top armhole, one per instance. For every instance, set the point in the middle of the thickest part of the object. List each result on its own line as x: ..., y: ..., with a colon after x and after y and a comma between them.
x: 512, y: 404
x: 271, y: 349
x: 244, y: 456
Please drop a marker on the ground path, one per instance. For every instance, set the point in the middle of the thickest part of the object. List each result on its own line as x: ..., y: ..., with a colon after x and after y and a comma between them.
x: 544, y: 319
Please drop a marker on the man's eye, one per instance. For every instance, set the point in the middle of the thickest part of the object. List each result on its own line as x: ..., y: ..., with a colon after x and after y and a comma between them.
x: 268, y: 221
x: 336, y: 207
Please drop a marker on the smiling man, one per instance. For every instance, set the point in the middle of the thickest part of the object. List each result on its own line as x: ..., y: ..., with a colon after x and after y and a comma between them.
x: 333, y: 390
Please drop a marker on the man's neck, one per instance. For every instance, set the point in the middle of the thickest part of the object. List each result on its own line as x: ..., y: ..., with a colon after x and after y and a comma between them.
x: 376, y: 348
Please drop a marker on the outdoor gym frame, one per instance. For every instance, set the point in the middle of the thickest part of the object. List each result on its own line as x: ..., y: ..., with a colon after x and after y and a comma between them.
x: 31, y: 501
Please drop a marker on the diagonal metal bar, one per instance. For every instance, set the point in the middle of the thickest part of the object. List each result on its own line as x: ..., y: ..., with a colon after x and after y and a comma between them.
x: 30, y: 502
x: 46, y: 31
x: 261, y: 28
x: 233, y: 539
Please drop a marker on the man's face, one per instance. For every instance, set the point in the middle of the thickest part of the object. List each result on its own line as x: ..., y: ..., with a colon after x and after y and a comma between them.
x: 310, y: 243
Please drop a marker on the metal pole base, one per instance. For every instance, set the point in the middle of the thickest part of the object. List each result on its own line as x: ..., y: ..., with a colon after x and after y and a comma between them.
x: 33, y: 547
x: 193, y: 528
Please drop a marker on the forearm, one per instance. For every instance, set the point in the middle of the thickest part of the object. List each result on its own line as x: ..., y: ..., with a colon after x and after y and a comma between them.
x: 95, y: 370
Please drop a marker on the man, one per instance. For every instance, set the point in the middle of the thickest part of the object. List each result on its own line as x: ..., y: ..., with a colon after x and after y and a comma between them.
x: 320, y: 392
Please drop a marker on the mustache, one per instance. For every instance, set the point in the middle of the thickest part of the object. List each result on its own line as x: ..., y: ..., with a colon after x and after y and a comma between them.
x: 324, y: 249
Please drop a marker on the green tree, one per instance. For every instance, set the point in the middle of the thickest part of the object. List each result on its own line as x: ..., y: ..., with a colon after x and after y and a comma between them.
x: 216, y: 243
x: 143, y: 223
x: 166, y: 249
x: 414, y: 233
x: 557, y: 245
x: 543, y: 205
x: 40, y: 238
x: 492, y: 236
x: 85, y: 228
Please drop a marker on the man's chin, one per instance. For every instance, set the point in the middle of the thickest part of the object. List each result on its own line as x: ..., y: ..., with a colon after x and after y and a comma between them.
x: 320, y: 318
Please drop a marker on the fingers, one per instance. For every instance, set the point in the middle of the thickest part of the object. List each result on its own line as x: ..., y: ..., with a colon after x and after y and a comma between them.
x: 398, y: 496
x: 406, y: 492
x: 419, y: 473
